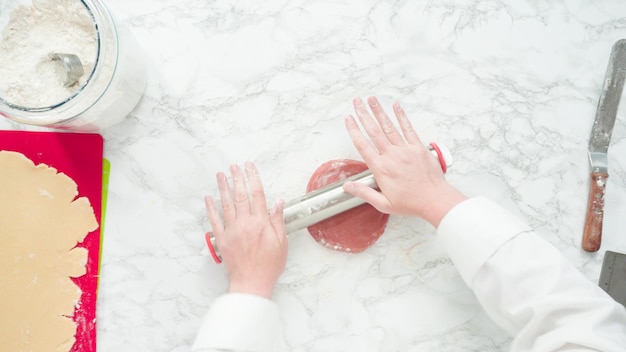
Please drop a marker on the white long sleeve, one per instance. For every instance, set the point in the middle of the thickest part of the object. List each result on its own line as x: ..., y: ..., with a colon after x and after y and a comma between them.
x: 523, y: 283
x: 241, y: 323
x: 526, y: 285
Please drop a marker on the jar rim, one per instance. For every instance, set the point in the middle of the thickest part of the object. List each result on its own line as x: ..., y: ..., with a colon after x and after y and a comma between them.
x: 99, y: 16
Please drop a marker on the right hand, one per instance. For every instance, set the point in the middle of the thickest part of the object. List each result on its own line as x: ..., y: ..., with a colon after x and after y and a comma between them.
x: 410, y: 179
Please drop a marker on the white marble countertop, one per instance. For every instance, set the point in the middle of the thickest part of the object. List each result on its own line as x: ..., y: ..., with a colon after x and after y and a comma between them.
x: 511, y: 87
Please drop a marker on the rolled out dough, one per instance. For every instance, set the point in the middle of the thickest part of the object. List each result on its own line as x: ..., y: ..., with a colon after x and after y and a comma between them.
x: 41, y: 222
x: 354, y: 230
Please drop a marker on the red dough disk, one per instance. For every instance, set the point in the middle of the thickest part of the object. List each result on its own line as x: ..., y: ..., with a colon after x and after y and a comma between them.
x: 353, y: 230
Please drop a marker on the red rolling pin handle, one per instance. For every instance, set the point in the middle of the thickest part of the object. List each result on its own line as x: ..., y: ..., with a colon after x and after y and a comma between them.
x: 210, y: 239
x: 212, y: 247
x: 442, y: 159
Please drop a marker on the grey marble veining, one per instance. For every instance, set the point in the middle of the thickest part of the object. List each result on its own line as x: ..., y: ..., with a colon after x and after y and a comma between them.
x: 510, y: 87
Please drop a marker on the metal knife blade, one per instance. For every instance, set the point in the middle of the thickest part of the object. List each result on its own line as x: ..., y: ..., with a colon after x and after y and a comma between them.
x: 606, y: 113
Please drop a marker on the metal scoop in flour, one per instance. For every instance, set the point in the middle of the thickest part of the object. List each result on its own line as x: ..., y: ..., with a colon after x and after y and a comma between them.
x: 70, y: 67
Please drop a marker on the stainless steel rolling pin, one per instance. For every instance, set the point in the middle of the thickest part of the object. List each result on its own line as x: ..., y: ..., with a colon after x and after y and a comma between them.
x: 328, y: 201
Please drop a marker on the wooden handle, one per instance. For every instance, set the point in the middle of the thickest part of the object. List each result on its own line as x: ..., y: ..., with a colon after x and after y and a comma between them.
x: 592, y: 235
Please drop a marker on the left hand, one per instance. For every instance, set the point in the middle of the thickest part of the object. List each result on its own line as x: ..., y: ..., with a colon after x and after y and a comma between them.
x: 252, y: 243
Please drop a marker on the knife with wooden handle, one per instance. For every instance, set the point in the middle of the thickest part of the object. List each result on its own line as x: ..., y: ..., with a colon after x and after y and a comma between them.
x: 599, y: 144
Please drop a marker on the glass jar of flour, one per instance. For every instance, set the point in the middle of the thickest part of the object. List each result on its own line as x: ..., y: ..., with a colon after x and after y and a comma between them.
x: 40, y: 86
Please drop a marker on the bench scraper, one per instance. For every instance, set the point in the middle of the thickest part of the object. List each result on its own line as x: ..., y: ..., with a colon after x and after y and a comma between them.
x: 613, y: 276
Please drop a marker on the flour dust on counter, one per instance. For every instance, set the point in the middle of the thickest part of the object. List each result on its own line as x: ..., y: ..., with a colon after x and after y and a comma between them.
x: 354, y: 230
x: 41, y: 223
x: 30, y: 78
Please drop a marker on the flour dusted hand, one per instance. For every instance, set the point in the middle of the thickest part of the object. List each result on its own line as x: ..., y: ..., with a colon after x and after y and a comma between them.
x: 410, y: 179
x: 253, y: 243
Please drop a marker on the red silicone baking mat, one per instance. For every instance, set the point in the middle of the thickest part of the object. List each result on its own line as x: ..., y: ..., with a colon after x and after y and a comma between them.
x: 79, y: 156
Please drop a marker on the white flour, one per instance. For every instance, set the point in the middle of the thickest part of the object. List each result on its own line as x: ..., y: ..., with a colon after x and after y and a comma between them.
x: 28, y: 77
